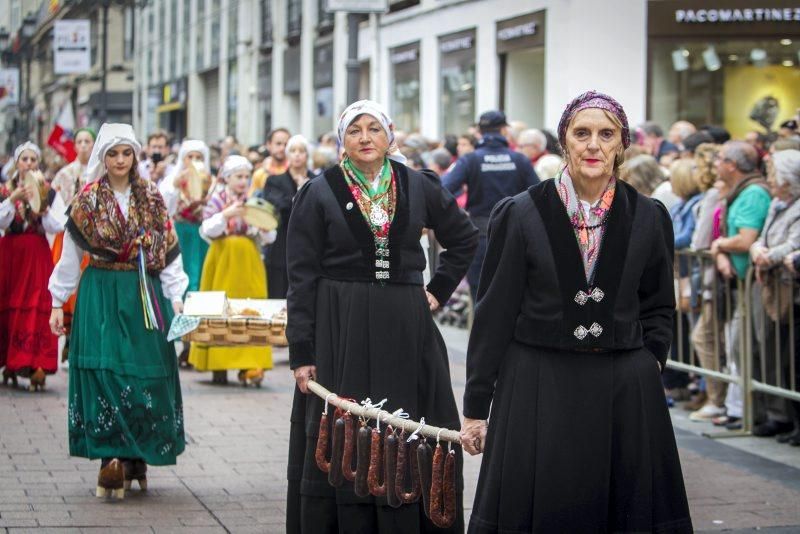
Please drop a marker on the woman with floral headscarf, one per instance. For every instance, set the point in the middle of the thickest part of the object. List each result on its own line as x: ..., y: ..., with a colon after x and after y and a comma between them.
x: 26, y: 346
x: 359, y: 316
x: 572, y: 328
x: 124, y: 402
x: 233, y: 265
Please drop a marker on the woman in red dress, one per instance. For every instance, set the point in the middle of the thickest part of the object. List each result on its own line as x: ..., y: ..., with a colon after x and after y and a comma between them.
x: 27, y: 347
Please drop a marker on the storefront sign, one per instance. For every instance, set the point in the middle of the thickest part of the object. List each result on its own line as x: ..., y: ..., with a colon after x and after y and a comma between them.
x: 679, y: 18
x: 525, y: 31
x: 787, y: 14
x: 9, y: 87
x: 358, y: 6
x: 71, y: 47
x: 454, y: 45
x: 405, y: 56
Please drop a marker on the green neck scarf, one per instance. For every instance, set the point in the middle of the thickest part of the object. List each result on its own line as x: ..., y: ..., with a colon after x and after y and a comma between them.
x: 372, y: 188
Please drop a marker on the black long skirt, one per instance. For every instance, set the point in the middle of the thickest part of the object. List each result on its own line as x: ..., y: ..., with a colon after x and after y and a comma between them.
x: 579, y: 442
x: 379, y: 342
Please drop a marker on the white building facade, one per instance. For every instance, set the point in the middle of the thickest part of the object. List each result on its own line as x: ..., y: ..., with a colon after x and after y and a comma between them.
x: 210, y: 68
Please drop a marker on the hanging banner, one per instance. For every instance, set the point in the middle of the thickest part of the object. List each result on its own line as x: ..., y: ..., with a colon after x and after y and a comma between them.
x: 71, y: 47
x: 9, y: 87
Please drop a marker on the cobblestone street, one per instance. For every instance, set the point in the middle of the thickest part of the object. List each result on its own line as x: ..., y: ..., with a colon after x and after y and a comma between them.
x: 232, y: 476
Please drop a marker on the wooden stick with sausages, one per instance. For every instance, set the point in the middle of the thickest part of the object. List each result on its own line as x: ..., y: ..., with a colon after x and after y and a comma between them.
x: 443, y: 434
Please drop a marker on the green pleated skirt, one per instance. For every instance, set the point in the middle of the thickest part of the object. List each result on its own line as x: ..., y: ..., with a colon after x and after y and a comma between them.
x: 193, y: 251
x: 124, y: 389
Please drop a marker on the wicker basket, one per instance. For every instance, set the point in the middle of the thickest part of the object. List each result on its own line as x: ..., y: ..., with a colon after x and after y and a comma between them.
x: 277, y: 330
x: 233, y: 331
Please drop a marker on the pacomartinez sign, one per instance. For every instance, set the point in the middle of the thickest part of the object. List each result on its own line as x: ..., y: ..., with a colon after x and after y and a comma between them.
x: 723, y: 18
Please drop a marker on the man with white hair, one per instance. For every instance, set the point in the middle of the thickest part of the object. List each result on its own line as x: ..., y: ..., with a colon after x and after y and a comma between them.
x: 532, y: 143
x: 679, y: 131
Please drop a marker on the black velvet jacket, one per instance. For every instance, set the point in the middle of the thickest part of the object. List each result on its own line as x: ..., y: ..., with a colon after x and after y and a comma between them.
x: 534, y: 291
x: 329, y: 238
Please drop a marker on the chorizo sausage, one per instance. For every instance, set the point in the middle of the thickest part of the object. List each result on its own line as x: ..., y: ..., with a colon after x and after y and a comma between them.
x: 449, y: 492
x: 437, y: 487
x: 407, y: 454
x: 361, y: 486
x: 322, y: 445
x: 375, y: 480
x: 349, y: 446
x: 390, y: 475
x: 424, y: 458
x: 335, y: 477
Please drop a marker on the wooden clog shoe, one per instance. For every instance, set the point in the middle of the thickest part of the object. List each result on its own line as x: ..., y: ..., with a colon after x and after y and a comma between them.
x: 37, y: 380
x: 9, y: 376
x: 111, y: 480
x: 135, y: 470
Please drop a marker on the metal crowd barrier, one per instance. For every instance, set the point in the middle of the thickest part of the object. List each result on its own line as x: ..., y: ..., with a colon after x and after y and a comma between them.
x: 752, y: 348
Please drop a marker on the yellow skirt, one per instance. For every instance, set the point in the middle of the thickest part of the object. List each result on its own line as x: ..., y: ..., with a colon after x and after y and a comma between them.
x: 233, y: 264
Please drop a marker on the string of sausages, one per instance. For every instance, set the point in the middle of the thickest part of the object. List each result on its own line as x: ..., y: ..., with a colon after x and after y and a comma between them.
x: 396, y: 463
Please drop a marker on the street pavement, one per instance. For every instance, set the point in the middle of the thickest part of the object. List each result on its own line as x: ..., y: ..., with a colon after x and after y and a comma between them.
x: 232, y: 476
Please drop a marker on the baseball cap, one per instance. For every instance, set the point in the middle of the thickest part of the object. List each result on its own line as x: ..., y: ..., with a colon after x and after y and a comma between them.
x: 492, y: 119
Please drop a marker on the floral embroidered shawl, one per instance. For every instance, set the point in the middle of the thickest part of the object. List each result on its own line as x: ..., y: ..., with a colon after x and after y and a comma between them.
x: 589, y: 228
x: 220, y: 200
x: 97, y: 225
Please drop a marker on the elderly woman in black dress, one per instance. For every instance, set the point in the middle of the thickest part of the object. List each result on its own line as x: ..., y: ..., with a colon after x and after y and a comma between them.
x: 359, y: 317
x: 572, y: 326
x: 279, y: 191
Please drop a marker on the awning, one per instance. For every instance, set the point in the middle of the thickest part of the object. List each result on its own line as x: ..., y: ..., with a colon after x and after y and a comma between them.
x: 172, y: 106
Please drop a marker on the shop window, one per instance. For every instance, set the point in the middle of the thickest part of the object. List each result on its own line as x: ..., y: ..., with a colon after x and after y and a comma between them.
x: 397, y: 5
x: 266, y: 25
x: 232, y: 98
x: 129, y: 35
x: 457, y: 81
x: 324, y: 18
x: 405, y: 81
x: 725, y: 82
x: 265, y: 95
x: 233, y: 28
x: 294, y: 20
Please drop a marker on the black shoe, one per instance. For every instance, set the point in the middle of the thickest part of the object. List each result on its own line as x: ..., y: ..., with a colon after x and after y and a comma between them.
x: 771, y: 428
x: 788, y: 436
x: 795, y: 441
x: 734, y: 423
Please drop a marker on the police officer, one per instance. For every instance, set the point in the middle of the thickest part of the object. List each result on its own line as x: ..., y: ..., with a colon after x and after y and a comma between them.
x: 491, y: 173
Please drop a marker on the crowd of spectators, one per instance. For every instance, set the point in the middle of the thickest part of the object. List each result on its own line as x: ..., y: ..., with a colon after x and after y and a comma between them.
x: 734, y: 206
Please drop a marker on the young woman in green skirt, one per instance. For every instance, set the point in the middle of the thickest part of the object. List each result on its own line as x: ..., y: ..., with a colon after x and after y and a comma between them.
x: 124, y: 402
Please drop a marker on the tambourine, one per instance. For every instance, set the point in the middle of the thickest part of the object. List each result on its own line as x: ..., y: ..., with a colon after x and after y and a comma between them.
x: 34, y: 180
x: 198, y: 182
x: 261, y: 214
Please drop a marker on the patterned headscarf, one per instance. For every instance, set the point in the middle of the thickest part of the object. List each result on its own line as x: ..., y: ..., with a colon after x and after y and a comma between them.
x: 373, y: 109
x: 593, y: 99
x: 27, y: 145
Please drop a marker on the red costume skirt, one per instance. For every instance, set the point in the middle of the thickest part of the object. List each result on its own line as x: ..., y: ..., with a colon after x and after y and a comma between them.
x: 26, y: 342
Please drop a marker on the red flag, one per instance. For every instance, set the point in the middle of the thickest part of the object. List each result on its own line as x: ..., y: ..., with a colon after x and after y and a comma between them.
x: 61, y: 138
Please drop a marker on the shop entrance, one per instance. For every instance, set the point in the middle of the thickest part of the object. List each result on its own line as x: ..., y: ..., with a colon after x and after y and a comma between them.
x: 520, y: 45
x: 522, y: 86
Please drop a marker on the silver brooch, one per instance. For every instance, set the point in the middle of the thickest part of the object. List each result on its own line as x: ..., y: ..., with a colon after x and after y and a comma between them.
x: 581, y: 332
x: 348, y: 206
x: 596, y: 295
